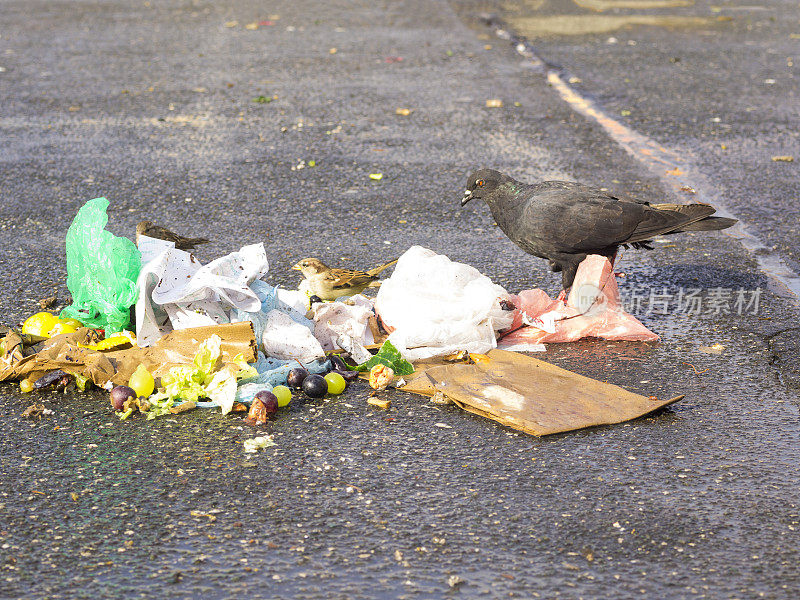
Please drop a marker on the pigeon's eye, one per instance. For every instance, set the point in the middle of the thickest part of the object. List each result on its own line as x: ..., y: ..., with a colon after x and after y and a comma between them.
x: 480, y: 182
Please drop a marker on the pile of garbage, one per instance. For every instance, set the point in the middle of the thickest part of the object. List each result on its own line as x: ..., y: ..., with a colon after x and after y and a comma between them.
x: 165, y: 334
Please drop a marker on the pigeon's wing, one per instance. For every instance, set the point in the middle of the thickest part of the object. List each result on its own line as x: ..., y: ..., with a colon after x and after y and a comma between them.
x: 583, y: 191
x: 658, y: 220
x: 582, y: 218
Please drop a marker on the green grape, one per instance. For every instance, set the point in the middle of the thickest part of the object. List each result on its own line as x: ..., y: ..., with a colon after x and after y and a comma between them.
x: 142, y: 382
x: 283, y: 394
x: 336, y: 383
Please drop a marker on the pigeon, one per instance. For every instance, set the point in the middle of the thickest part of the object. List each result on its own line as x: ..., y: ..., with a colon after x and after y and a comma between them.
x: 162, y: 233
x: 564, y: 222
x: 331, y: 283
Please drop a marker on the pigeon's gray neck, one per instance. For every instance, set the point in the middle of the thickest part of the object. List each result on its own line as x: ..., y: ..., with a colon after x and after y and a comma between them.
x: 509, y: 195
x: 507, y: 204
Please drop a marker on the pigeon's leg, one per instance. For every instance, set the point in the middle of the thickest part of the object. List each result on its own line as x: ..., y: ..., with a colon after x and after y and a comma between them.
x: 612, y: 258
x: 569, y: 270
x: 556, y: 267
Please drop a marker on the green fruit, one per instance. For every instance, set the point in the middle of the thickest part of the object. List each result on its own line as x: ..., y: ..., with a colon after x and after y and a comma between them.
x: 142, y: 382
x: 283, y: 394
x: 336, y: 383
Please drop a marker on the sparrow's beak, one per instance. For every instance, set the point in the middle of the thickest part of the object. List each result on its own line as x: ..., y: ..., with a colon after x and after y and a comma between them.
x: 467, y: 197
x: 297, y: 267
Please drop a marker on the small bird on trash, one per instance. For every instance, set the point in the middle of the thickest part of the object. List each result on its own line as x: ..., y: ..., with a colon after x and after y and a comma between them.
x: 162, y: 233
x: 563, y: 222
x: 332, y: 283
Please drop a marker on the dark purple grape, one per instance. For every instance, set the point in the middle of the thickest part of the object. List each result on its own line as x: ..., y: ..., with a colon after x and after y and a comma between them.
x: 295, y: 377
x: 348, y: 375
x: 120, y: 394
x: 315, y: 386
x: 337, y: 363
x: 48, y: 379
x: 269, y: 400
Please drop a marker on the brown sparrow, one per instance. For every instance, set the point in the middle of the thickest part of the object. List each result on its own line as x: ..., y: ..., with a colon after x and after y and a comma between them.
x: 330, y: 284
x: 154, y: 231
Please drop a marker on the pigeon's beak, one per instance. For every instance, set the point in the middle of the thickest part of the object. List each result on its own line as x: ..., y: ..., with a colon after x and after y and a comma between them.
x: 467, y: 197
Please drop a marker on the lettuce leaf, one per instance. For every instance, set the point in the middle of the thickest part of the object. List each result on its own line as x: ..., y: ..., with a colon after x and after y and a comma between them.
x: 208, y: 358
x: 222, y: 390
x: 184, y: 382
x: 390, y: 356
x: 246, y: 370
x: 204, y: 378
x: 160, y: 403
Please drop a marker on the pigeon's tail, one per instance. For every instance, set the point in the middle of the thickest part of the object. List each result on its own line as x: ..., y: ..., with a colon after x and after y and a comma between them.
x: 377, y: 270
x: 676, y: 218
x: 705, y: 222
x: 708, y: 224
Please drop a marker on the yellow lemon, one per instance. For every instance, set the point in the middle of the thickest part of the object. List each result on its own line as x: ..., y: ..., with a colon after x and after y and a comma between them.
x: 39, y: 324
x: 74, y: 322
x: 62, y: 327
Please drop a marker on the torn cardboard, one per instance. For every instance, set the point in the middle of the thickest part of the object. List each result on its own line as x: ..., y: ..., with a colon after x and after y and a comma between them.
x: 529, y: 394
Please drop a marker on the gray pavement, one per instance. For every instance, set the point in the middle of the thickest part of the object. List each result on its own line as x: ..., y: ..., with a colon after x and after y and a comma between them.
x: 151, y: 105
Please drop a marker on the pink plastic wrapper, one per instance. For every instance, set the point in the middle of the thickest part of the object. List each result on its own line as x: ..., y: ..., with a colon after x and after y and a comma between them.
x: 593, y: 309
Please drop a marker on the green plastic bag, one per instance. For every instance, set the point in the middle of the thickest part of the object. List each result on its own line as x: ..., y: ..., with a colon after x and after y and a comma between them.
x: 101, y: 271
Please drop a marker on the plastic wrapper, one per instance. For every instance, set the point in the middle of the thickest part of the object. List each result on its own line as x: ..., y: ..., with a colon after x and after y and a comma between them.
x: 101, y: 270
x: 592, y: 309
x: 179, y: 292
x: 272, y: 298
x: 434, y: 306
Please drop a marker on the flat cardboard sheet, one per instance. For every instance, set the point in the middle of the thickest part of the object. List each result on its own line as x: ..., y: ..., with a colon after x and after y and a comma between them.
x: 529, y: 394
x: 176, y: 348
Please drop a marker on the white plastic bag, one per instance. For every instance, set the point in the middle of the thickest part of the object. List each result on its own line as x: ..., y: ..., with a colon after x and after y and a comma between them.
x: 176, y: 291
x: 287, y: 339
x: 333, y: 319
x: 436, y: 306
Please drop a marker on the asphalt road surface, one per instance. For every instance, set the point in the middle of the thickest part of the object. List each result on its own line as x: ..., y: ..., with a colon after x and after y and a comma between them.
x: 151, y: 104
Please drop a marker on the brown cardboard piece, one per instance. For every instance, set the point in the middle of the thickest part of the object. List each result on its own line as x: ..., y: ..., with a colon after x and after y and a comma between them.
x: 176, y: 348
x: 529, y: 394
